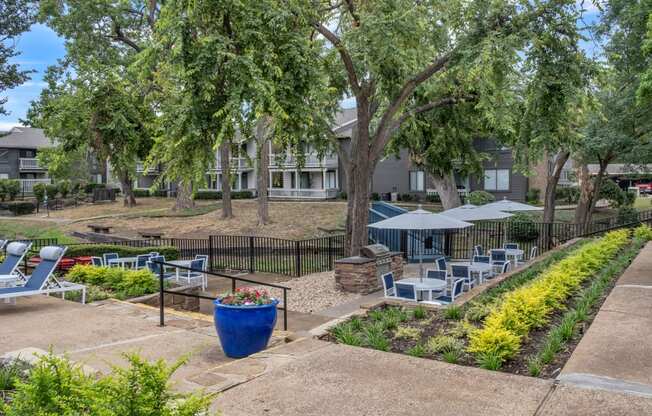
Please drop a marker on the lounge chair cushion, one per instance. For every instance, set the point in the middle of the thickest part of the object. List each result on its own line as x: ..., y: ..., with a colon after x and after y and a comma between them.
x: 51, y: 253
x: 16, y: 248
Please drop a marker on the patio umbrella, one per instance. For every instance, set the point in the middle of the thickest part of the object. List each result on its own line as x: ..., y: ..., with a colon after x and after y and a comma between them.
x: 471, y: 212
x: 511, y: 206
x: 420, y: 220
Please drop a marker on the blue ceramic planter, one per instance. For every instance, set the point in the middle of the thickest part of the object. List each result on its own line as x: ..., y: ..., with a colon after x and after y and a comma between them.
x: 244, y: 330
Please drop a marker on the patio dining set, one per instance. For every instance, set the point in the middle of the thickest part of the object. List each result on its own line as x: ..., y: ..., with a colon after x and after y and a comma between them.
x: 448, y: 280
x: 184, y: 270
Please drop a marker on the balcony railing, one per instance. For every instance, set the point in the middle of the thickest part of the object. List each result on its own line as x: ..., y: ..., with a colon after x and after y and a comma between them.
x: 27, y: 185
x: 238, y: 163
x: 311, y: 160
x: 302, y: 193
x: 26, y: 163
x: 140, y: 168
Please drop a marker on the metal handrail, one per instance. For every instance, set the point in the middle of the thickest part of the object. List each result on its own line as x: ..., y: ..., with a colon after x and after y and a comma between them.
x: 163, y: 291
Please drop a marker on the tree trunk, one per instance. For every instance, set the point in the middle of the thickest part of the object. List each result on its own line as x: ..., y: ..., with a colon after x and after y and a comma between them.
x: 184, y: 196
x: 225, y: 166
x: 361, y: 169
x: 589, y: 191
x: 128, y: 197
x: 447, y: 190
x: 262, y: 171
x: 550, y: 197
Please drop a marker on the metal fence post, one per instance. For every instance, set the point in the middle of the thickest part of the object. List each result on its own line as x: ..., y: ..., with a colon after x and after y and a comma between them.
x: 285, y: 310
x: 210, y: 253
x: 161, y: 297
x: 330, y: 252
x: 297, y: 251
x: 252, y: 258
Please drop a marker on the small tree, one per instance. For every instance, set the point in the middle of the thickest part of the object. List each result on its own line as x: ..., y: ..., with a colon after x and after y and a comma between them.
x: 12, y: 188
x: 51, y: 191
x: 3, y: 189
x: 64, y: 188
x: 480, y: 198
x: 39, y: 192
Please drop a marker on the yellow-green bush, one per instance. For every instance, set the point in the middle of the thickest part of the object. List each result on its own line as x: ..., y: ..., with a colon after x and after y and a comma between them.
x: 530, y: 306
x: 123, y: 283
x: 643, y: 232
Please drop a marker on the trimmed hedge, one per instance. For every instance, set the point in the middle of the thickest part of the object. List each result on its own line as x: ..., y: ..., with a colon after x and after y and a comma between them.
x: 530, y: 306
x: 218, y: 195
x: 141, y: 193
x: 76, y: 250
x: 122, y: 283
x: 19, y: 207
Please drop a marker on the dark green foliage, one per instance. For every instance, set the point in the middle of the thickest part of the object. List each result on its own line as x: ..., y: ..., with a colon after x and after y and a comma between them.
x: 627, y: 215
x: 20, y: 207
x: 522, y: 228
x: 375, y: 196
x: 453, y: 312
x: 533, y: 195
x: 610, y: 191
x: 433, y: 198
x: 490, y: 361
x: 76, y: 250
x: 568, y: 194
x: 417, y: 351
x: 480, y: 198
x: 141, y: 193
x: 88, y: 188
x: 218, y: 195
x: 51, y: 191
x: 39, y: 192
x: 64, y: 188
x: 419, y: 312
x: 10, y: 188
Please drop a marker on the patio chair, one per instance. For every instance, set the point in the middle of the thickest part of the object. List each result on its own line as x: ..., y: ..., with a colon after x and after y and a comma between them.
x: 205, y: 258
x: 154, y: 254
x: 510, y: 246
x: 456, y: 290
x: 498, y: 259
x: 388, y: 285
x: 478, y: 250
x: 506, y: 267
x: 155, y: 267
x: 439, y: 275
x: 110, y: 256
x: 534, y: 251
x: 485, y: 260
x: 441, y: 263
x: 141, y: 261
x: 16, y: 252
x: 196, y: 265
x: 42, y: 280
x: 3, y: 243
x: 407, y: 291
x: 464, y: 273
x: 97, y: 261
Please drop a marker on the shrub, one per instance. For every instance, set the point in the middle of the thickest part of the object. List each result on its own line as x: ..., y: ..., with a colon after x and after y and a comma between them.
x: 375, y: 337
x: 20, y: 207
x: 12, y: 188
x: 522, y: 228
x: 627, y: 215
x: 419, y: 312
x: 529, y: 306
x: 88, y: 188
x: 610, y: 191
x: 568, y: 194
x: 532, y: 196
x: 39, y: 192
x: 159, y: 193
x: 57, y: 387
x: 342, y: 195
x: 242, y: 195
x: 51, y: 191
x: 480, y: 198
x: 3, y: 190
x: 408, y: 332
x: 375, y: 196
x: 417, y: 351
x: 643, y: 232
x: 346, y: 333
x: 141, y: 193
x: 453, y: 312
x: 477, y: 311
x: 64, y: 188
x: 433, y: 198
x: 406, y: 197
x: 208, y: 195
x: 124, y: 283
x: 76, y: 250
x: 443, y: 343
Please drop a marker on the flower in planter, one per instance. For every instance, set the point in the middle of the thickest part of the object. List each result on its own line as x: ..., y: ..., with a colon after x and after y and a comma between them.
x: 245, y: 296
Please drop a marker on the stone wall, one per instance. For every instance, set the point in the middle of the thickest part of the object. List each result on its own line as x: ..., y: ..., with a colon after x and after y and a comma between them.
x: 185, y: 303
x: 360, y: 274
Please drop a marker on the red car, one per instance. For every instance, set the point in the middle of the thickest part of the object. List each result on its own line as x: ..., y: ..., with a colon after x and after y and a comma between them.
x: 644, y: 187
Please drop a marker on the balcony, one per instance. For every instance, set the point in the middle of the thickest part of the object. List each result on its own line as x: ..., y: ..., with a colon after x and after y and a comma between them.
x: 302, y: 193
x: 311, y: 160
x: 237, y: 163
x: 27, y: 185
x: 140, y: 168
x: 29, y: 164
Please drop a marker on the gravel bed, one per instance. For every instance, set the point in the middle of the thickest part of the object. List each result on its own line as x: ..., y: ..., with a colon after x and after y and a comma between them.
x: 312, y: 293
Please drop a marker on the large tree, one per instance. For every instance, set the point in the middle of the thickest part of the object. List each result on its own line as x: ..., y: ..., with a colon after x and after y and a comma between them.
x: 16, y: 16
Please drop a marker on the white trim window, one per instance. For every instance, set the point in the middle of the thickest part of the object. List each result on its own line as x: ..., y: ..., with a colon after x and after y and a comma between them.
x: 417, y: 181
x: 496, y: 179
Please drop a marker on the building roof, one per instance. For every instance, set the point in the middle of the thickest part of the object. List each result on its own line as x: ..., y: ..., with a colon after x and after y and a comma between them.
x: 345, y: 121
x: 616, y: 169
x: 25, y: 138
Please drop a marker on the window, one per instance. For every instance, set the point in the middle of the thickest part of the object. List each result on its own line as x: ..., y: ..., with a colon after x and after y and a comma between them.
x: 331, y: 181
x: 417, y: 181
x: 277, y: 179
x: 496, y: 179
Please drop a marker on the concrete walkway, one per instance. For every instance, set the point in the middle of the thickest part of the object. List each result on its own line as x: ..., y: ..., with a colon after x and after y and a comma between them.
x: 616, y: 352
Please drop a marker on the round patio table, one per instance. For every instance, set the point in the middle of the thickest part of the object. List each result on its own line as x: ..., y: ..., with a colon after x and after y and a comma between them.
x: 477, y: 267
x: 180, y: 263
x: 425, y: 285
x: 515, y: 254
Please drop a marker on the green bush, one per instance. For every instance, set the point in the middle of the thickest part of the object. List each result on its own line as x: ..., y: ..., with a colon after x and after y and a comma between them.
x: 480, y: 198
x: 141, y: 193
x: 242, y: 195
x: 610, y: 191
x: 208, y: 195
x: 76, y: 250
x: 64, y: 188
x: 342, y: 195
x: 55, y: 386
x: 3, y: 190
x: 522, y: 228
x: 627, y: 215
x: 532, y: 196
x: 12, y: 188
x: 88, y: 188
x: 159, y: 193
x: 568, y: 194
x: 122, y: 282
x: 39, y: 192
x: 375, y: 196
x: 20, y: 207
x: 51, y: 191
x: 433, y: 198
x: 406, y: 197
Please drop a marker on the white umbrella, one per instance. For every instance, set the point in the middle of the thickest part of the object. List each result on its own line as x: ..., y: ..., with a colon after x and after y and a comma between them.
x: 511, y: 206
x: 420, y: 220
x: 471, y: 212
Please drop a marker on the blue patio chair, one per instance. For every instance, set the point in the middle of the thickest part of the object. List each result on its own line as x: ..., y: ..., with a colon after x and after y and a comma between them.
x: 198, y: 267
x: 482, y: 259
x: 16, y: 252
x: 438, y: 275
x: 141, y: 261
x: 406, y: 291
x: 97, y: 261
x: 498, y: 259
x: 155, y: 267
x: 42, y: 280
x: 478, y: 250
x: 506, y: 267
x: 154, y: 254
x: 441, y: 263
x: 205, y: 258
x: 456, y: 290
x: 388, y: 285
x: 110, y: 256
x: 462, y: 272
x: 510, y: 246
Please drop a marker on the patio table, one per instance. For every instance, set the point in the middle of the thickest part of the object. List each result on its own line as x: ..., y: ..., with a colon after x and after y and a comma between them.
x: 9, y: 280
x: 123, y: 261
x: 515, y: 254
x: 425, y: 285
x: 479, y: 268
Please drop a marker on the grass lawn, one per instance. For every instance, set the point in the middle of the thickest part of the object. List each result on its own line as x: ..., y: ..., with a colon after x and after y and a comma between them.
x: 18, y: 229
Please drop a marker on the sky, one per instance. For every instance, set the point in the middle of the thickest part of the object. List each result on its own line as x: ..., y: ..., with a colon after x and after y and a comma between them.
x: 41, y: 47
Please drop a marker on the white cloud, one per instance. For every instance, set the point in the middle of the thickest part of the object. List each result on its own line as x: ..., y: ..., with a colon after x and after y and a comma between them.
x: 7, y: 125
x: 39, y: 84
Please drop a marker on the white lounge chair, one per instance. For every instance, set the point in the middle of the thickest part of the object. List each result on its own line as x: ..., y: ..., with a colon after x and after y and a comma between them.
x: 16, y: 252
x: 42, y: 280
